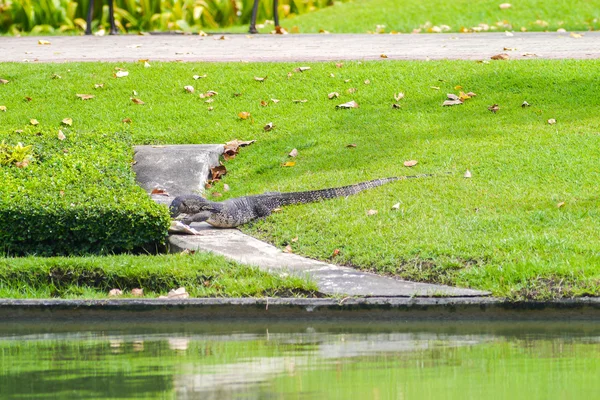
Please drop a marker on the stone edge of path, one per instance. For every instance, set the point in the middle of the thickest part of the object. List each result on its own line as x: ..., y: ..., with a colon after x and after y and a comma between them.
x: 290, y: 309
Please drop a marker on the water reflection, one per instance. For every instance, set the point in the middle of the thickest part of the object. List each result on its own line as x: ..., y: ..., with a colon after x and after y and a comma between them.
x: 300, y: 361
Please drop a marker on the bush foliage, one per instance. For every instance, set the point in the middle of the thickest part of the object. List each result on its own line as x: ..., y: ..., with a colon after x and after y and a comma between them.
x: 76, y: 195
x: 49, y: 16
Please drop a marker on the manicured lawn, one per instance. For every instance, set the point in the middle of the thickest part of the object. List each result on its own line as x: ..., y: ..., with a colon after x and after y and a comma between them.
x: 501, y: 230
x: 361, y: 16
x: 203, y: 275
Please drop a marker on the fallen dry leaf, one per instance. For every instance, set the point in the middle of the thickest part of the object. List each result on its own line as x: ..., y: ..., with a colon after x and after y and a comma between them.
x: 210, y: 108
x: 293, y: 153
x: 410, y: 163
x: 263, y: 103
x: 3, y: 81
x: 525, y: 104
x: 275, y: 101
x: 126, y: 120
x: 28, y: 99
x: 501, y: 56
x: 56, y: 76
x: 551, y: 121
x: 505, y: 6
x: 352, y: 90
x: 61, y: 135
x: 209, y: 100
x: 217, y: 172
x: 335, y: 253
x: 383, y: 56
x: 288, y: 164
x: 22, y: 164
x: 3, y: 108
x: 302, y: 69
x: 280, y: 30
x: 494, y: 108
x: 216, y: 194
x: 67, y: 121
x: 43, y: 42
x: 458, y: 87
x: 146, y: 64
x: 323, y: 31
x: 137, y: 292
x: 289, y: 75
x: 339, y: 65
x: 467, y: 174
x: 351, y: 145
x: 300, y: 101
x: 121, y: 74
x: 136, y: 100
x: 231, y: 149
x: 561, y: 204
x: 244, y: 115
x: 530, y: 55
x: 268, y: 127
x: 98, y: 85
x: 396, y: 206
x: 333, y: 95
x: 398, y: 96
x: 288, y: 249
x: 226, y: 187
x: 34, y: 122
x: 350, y: 104
x: 189, y: 89
x: 158, y: 191
x: 396, y: 105
x: 367, y: 82
x: 471, y: 94
x: 452, y: 96
x: 449, y: 103
x: 115, y: 292
x: 180, y: 293
x: 196, y: 77
x: 372, y: 212
x: 576, y: 35
x: 85, y: 96
x: 259, y: 79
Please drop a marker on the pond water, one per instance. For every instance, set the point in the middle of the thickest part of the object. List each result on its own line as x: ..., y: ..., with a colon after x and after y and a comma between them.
x: 300, y: 361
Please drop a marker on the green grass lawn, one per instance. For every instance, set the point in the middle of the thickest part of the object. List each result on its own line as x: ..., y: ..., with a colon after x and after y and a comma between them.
x: 202, y: 274
x: 501, y: 230
x: 361, y: 16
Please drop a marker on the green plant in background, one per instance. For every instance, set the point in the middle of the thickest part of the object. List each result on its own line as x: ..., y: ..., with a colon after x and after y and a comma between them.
x: 56, y: 16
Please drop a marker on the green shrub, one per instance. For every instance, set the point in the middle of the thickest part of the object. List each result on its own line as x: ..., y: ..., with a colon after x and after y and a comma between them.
x: 79, y: 196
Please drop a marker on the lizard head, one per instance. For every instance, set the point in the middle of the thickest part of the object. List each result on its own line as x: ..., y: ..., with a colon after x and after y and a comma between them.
x: 191, y: 204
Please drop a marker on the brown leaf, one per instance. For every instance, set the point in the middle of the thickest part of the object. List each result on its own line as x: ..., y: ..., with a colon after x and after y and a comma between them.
x: 137, y: 292
x: 302, y: 69
x: 335, y: 253
x: 22, y: 164
x: 351, y: 145
x: 350, y: 104
x: 263, y: 103
x: 280, y: 30
x: 161, y: 192
x: 398, y: 96
x: 383, y: 56
x: 551, y: 121
x: 410, y: 163
x: 231, y: 149
x: 501, y: 56
x: 67, y: 121
x: 259, y: 79
x: 115, y: 292
x: 448, y: 103
x: 61, y: 135
x: 28, y: 99
x: 471, y: 94
x: 244, y: 115
x: 288, y: 164
x: 126, y: 120
x: 85, y: 96
x: 293, y: 153
x: 136, y: 100
x: 339, y: 65
x: 180, y: 293
x: 217, y: 172
x: 452, y: 96
x: 333, y: 95
x: 268, y: 127
x: 217, y: 194
x: 288, y: 249
x: 189, y: 89
x: 372, y: 212
x: 494, y: 108
x: 3, y: 81
x: 289, y: 75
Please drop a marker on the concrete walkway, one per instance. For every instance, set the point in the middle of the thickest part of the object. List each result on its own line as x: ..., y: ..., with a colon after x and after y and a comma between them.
x: 480, y: 46
x: 183, y: 169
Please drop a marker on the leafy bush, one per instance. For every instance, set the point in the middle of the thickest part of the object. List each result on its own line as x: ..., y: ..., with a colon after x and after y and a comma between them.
x: 47, y: 16
x: 80, y: 196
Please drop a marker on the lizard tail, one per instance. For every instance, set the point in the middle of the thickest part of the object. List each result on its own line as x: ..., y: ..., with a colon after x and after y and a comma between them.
x: 318, y: 195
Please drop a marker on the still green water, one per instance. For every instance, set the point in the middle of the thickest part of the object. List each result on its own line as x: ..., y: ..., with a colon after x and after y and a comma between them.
x: 303, y: 361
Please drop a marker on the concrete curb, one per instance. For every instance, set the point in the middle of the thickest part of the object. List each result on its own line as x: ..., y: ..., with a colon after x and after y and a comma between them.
x: 298, y: 309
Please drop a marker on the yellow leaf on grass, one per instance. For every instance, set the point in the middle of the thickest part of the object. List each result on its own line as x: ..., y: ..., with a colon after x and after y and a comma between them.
x: 137, y: 101
x: 67, y: 121
x: 244, y: 115
x: 288, y: 164
x: 3, y: 108
x: 34, y: 122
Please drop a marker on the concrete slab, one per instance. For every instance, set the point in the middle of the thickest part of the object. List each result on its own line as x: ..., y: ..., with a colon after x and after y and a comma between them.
x: 304, y: 47
x: 331, y: 279
x: 178, y: 169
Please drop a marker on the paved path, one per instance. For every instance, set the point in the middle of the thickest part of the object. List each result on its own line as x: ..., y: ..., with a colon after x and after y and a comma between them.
x: 301, y: 47
x: 183, y: 169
